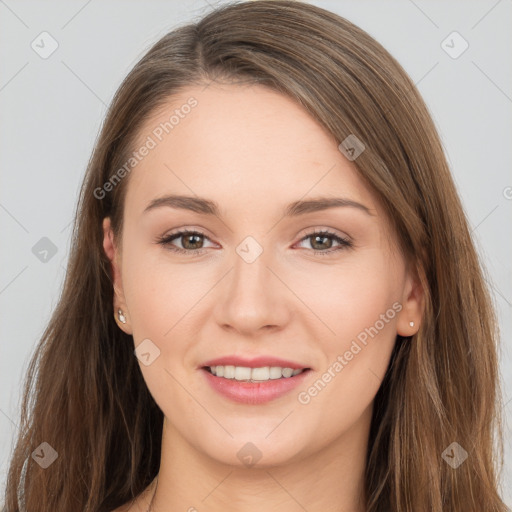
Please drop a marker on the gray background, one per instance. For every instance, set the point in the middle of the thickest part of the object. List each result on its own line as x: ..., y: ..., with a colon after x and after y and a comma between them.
x: 52, y: 109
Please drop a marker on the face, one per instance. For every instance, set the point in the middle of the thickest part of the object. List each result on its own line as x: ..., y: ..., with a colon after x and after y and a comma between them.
x: 323, y: 289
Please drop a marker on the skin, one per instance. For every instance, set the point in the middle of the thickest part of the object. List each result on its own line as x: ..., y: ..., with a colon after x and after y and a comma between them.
x: 254, y: 151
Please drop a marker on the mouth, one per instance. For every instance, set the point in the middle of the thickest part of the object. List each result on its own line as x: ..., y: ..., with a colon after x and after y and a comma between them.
x: 253, y: 375
x: 253, y: 386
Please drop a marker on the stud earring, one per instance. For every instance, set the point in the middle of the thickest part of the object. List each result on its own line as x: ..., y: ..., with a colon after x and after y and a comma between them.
x: 121, y: 316
x: 411, y: 324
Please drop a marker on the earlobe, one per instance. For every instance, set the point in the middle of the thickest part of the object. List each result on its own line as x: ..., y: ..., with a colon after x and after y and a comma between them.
x: 120, y: 309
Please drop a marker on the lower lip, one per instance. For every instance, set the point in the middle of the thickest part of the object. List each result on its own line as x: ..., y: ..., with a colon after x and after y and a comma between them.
x: 254, y: 392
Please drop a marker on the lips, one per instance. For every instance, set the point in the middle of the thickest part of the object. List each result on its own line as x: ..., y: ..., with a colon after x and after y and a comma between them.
x: 253, y: 393
x: 260, y: 389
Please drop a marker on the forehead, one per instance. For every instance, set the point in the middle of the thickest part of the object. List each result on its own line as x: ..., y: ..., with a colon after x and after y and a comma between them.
x: 242, y: 145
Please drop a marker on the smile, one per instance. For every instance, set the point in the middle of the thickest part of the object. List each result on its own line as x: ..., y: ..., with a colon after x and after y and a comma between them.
x: 246, y: 374
x: 253, y: 386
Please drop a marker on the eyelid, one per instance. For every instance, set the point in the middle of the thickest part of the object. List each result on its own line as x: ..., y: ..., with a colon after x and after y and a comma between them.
x: 323, y: 229
x: 184, y: 230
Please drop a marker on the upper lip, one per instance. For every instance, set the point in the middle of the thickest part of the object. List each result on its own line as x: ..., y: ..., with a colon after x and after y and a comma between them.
x: 256, y: 362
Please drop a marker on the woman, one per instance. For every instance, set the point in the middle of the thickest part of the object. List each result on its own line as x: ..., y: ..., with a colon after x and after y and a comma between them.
x: 272, y: 300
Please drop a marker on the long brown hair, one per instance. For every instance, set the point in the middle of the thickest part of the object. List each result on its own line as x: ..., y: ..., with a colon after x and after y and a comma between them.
x: 84, y: 393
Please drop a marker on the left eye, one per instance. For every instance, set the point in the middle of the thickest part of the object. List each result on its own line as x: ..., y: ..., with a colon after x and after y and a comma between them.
x: 344, y: 243
x: 191, y: 240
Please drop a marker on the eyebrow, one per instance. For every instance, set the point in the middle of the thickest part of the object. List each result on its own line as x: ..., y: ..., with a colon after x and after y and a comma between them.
x: 208, y: 207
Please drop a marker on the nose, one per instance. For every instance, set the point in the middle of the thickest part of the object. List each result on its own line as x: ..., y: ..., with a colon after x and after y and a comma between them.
x: 252, y: 298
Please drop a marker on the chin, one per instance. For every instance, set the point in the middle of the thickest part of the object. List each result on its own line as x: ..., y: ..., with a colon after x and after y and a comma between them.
x: 256, y: 452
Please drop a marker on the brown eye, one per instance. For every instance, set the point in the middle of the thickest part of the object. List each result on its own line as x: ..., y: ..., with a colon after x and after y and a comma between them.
x: 191, y: 241
x: 322, y: 242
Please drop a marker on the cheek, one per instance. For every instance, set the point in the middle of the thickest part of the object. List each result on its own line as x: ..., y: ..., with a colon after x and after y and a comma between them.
x: 349, y: 295
x: 357, y: 301
x: 360, y: 306
x: 156, y: 291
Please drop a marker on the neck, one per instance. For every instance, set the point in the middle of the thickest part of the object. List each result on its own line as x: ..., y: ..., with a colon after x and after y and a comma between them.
x: 328, y: 480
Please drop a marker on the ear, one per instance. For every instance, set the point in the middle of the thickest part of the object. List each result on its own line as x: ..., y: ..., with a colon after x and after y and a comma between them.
x: 113, y: 255
x: 412, y: 306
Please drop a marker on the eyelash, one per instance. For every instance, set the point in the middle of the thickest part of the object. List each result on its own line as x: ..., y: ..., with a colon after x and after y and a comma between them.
x: 345, y: 243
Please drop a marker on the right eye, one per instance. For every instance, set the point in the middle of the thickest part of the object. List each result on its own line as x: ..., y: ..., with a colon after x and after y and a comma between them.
x: 189, y: 238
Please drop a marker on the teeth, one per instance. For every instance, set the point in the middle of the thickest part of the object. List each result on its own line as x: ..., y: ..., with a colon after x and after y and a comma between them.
x: 275, y: 372
x: 242, y: 373
x: 253, y: 374
x: 229, y: 372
